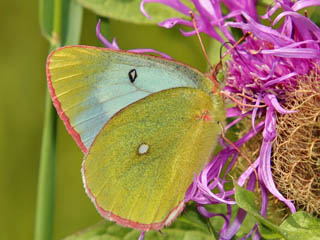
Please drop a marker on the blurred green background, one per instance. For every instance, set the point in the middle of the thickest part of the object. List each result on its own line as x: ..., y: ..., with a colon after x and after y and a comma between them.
x: 22, y: 94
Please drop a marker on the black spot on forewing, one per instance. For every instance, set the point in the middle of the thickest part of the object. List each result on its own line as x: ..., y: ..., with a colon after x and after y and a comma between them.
x: 132, y: 75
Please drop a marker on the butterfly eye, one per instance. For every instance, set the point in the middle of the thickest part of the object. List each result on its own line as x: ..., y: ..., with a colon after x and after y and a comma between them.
x: 132, y: 75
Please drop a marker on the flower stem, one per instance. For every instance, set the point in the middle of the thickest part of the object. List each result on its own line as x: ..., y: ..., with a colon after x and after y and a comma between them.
x: 45, y: 198
x: 46, y: 182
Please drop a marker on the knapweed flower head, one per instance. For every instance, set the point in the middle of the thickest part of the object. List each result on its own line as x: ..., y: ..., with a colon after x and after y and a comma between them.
x: 273, y: 79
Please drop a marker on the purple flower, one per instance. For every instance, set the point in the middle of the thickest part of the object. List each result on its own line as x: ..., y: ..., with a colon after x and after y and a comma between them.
x: 262, y: 69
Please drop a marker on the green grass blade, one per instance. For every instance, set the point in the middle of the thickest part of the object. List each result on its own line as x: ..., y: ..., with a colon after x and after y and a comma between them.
x: 72, y: 18
x: 45, y: 198
x: 46, y: 17
x: 60, y: 23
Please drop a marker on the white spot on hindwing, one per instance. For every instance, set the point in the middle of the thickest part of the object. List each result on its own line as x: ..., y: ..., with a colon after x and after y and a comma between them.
x: 143, y: 148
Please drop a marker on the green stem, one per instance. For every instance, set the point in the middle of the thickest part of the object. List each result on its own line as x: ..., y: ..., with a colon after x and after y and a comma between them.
x: 57, y: 24
x: 45, y: 198
x: 46, y: 182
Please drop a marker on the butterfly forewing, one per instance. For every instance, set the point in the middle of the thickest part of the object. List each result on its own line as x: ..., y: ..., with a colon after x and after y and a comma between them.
x: 89, y: 85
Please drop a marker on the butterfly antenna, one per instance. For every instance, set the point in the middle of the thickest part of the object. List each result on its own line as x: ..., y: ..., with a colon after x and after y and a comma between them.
x: 236, y: 44
x: 214, y: 70
x: 235, y: 49
x: 199, y: 37
x: 218, y: 66
x: 225, y: 45
x: 210, y: 76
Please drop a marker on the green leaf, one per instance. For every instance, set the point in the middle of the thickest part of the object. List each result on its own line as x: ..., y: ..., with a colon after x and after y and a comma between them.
x: 111, y: 231
x: 190, y: 226
x: 269, y: 233
x: 191, y: 218
x: 246, y: 200
x: 102, y: 230
x: 302, y: 225
x: 218, y: 222
x: 129, y: 10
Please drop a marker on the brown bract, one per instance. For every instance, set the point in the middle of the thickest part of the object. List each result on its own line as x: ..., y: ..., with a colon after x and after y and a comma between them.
x: 296, y: 150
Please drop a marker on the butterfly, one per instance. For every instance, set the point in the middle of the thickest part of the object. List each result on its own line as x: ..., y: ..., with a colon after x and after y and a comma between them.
x: 145, y: 124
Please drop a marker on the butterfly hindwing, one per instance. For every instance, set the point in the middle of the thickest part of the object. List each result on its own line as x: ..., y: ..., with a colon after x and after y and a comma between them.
x: 89, y: 85
x: 143, y: 160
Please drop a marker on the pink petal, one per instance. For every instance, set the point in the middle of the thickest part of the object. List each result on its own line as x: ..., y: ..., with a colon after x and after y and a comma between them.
x: 298, y: 5
x: 104, y: 41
